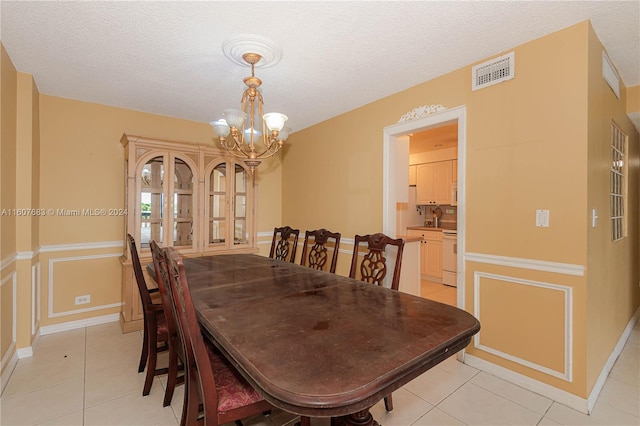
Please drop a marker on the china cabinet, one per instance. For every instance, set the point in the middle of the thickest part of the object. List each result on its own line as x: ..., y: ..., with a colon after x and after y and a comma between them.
x: 193, y: 197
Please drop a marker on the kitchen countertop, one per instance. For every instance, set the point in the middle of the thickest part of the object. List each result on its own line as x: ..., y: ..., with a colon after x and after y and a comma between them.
x: 433, y: 228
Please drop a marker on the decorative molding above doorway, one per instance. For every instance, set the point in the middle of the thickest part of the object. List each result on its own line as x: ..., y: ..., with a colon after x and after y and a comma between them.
x: 421, y: 111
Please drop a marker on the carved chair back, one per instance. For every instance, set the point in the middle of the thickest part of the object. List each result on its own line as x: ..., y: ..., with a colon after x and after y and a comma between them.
x: 316, y: 248
x: 284, y: 244
x: 370, y: 261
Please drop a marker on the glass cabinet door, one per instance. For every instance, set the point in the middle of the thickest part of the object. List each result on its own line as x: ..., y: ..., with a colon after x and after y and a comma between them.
x: 183, y: 198
x: 167, y: 199
x: 151, y: 201
x: 228, y: 206
x: 241, y: 233
x: 217, y: 227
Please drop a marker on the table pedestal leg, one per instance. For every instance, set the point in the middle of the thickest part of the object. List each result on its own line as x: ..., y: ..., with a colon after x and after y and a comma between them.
x: 361, y: 418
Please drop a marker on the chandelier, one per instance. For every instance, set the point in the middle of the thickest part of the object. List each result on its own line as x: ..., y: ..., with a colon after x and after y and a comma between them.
x: 247, y: 133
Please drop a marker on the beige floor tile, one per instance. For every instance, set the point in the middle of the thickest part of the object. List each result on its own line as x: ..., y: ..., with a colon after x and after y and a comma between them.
x: 74, y: 419
x: 132, y: 409
x: 438, y: 292
x: 513, y: 393
x: 173, y: 422
x: 52, y: 402
x: 474, y: 405
x: 109, y: 384
x: 42, y: 372
x: 547, y: 422
x: 437, y: 417
x: 177, y: 401
x: 452, y: 366
x: 407, y: 408
x: 435, y: 385
x: 620, y: 395
x: 55, y: 346
x: 602, y: 414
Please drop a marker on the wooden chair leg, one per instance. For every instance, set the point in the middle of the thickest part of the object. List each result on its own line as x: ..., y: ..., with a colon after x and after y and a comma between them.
x: 172, y: 377
x: 388, y: 403
x: 145, y: 350
x: 151, y: 364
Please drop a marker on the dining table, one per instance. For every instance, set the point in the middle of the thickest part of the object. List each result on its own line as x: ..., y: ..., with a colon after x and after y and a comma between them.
x: 318, y: 344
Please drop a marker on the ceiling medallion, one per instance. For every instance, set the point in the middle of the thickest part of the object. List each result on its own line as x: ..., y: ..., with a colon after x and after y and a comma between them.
x: 235, y: 47
x: 420, y: 112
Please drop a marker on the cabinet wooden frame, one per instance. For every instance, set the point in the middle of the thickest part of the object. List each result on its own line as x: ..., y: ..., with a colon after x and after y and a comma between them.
x: 201, y: 159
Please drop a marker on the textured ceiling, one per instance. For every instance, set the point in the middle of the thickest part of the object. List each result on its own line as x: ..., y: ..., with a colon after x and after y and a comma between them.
x: 166, y: 57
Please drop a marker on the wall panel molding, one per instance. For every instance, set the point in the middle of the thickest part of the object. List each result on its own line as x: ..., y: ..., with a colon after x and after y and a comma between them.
x: 82, y: 246
x: 52, y: 262
x: 567, y: 293
x: 6, y: 363
x: 517, y: 262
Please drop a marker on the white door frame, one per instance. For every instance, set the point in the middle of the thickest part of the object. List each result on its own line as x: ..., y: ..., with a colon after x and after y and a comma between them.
x: 393, y: 137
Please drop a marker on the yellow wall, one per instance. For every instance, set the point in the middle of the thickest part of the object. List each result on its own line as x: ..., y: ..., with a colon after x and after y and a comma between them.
x: 8, y: 295
x: 633, y: 99
x: 526, y: 149
x: 82, y: 167
x: 613, y: 275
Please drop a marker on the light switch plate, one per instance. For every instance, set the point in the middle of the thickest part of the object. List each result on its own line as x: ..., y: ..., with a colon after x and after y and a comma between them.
x: 594, y: 218
x: 542, y: 218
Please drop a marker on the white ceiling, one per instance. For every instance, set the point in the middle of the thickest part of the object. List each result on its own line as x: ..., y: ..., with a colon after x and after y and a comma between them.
x: 166, y: 57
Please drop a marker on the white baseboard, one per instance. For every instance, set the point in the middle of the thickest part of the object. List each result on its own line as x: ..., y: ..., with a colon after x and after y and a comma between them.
x: 72, y: 325
x: 25, y: 352
x: 563, y: 397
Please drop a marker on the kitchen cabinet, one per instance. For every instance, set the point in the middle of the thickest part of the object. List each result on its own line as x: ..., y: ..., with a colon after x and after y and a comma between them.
x: 433, y: 183
x: 430, y: 253
x: 454, y: 170
x: 412, y: 175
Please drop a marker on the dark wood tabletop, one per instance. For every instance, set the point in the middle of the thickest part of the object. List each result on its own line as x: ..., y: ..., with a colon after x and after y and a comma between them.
x: 319, y: 344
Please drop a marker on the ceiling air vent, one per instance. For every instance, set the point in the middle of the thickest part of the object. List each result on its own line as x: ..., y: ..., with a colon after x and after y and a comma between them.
x: 610, y: 75
x: 494, y: 71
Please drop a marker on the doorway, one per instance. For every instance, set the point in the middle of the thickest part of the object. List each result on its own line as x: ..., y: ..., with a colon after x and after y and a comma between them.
x: 396, y: 174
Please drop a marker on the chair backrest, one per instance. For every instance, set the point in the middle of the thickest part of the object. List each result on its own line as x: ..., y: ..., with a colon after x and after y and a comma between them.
x: 162, y: 278
x: 284, y: 244
x: 315, y: 250
x: 197, y: 359
x: 137, y: 270
x: 373, y: 266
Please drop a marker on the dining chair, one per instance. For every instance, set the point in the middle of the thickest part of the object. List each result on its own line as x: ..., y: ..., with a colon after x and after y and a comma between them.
x: 176, y: 354
x: 370, y: 264
x: 210, y: 379
x: 284, y: 244
x: 155, y: 324
x: 316, y: 247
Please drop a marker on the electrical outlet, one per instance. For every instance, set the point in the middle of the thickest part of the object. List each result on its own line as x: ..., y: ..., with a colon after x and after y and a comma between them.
x: 82, y: 300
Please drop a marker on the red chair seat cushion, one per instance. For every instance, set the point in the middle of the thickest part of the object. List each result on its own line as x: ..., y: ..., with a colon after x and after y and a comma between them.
x: 233, y: 389
x: 162, y: 329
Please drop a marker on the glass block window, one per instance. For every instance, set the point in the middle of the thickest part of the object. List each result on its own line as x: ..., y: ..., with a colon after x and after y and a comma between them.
x: 618, y: 183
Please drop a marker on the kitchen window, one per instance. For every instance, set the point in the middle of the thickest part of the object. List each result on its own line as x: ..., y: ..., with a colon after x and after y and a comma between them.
x: 618, y: 183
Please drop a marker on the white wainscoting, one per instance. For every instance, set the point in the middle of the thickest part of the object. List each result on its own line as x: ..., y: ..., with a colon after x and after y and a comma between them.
x: 10, y: 357
x: 567, y: 293
x: 52, y: 262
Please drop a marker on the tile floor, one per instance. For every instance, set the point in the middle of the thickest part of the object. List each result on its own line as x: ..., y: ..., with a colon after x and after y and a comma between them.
x: 438, y: 292
x: 89, y: 376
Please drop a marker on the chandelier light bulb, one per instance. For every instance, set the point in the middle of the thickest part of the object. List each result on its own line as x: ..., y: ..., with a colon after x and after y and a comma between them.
x: 220, y: 128
x: 274, y: 120
x: 234, y: 117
